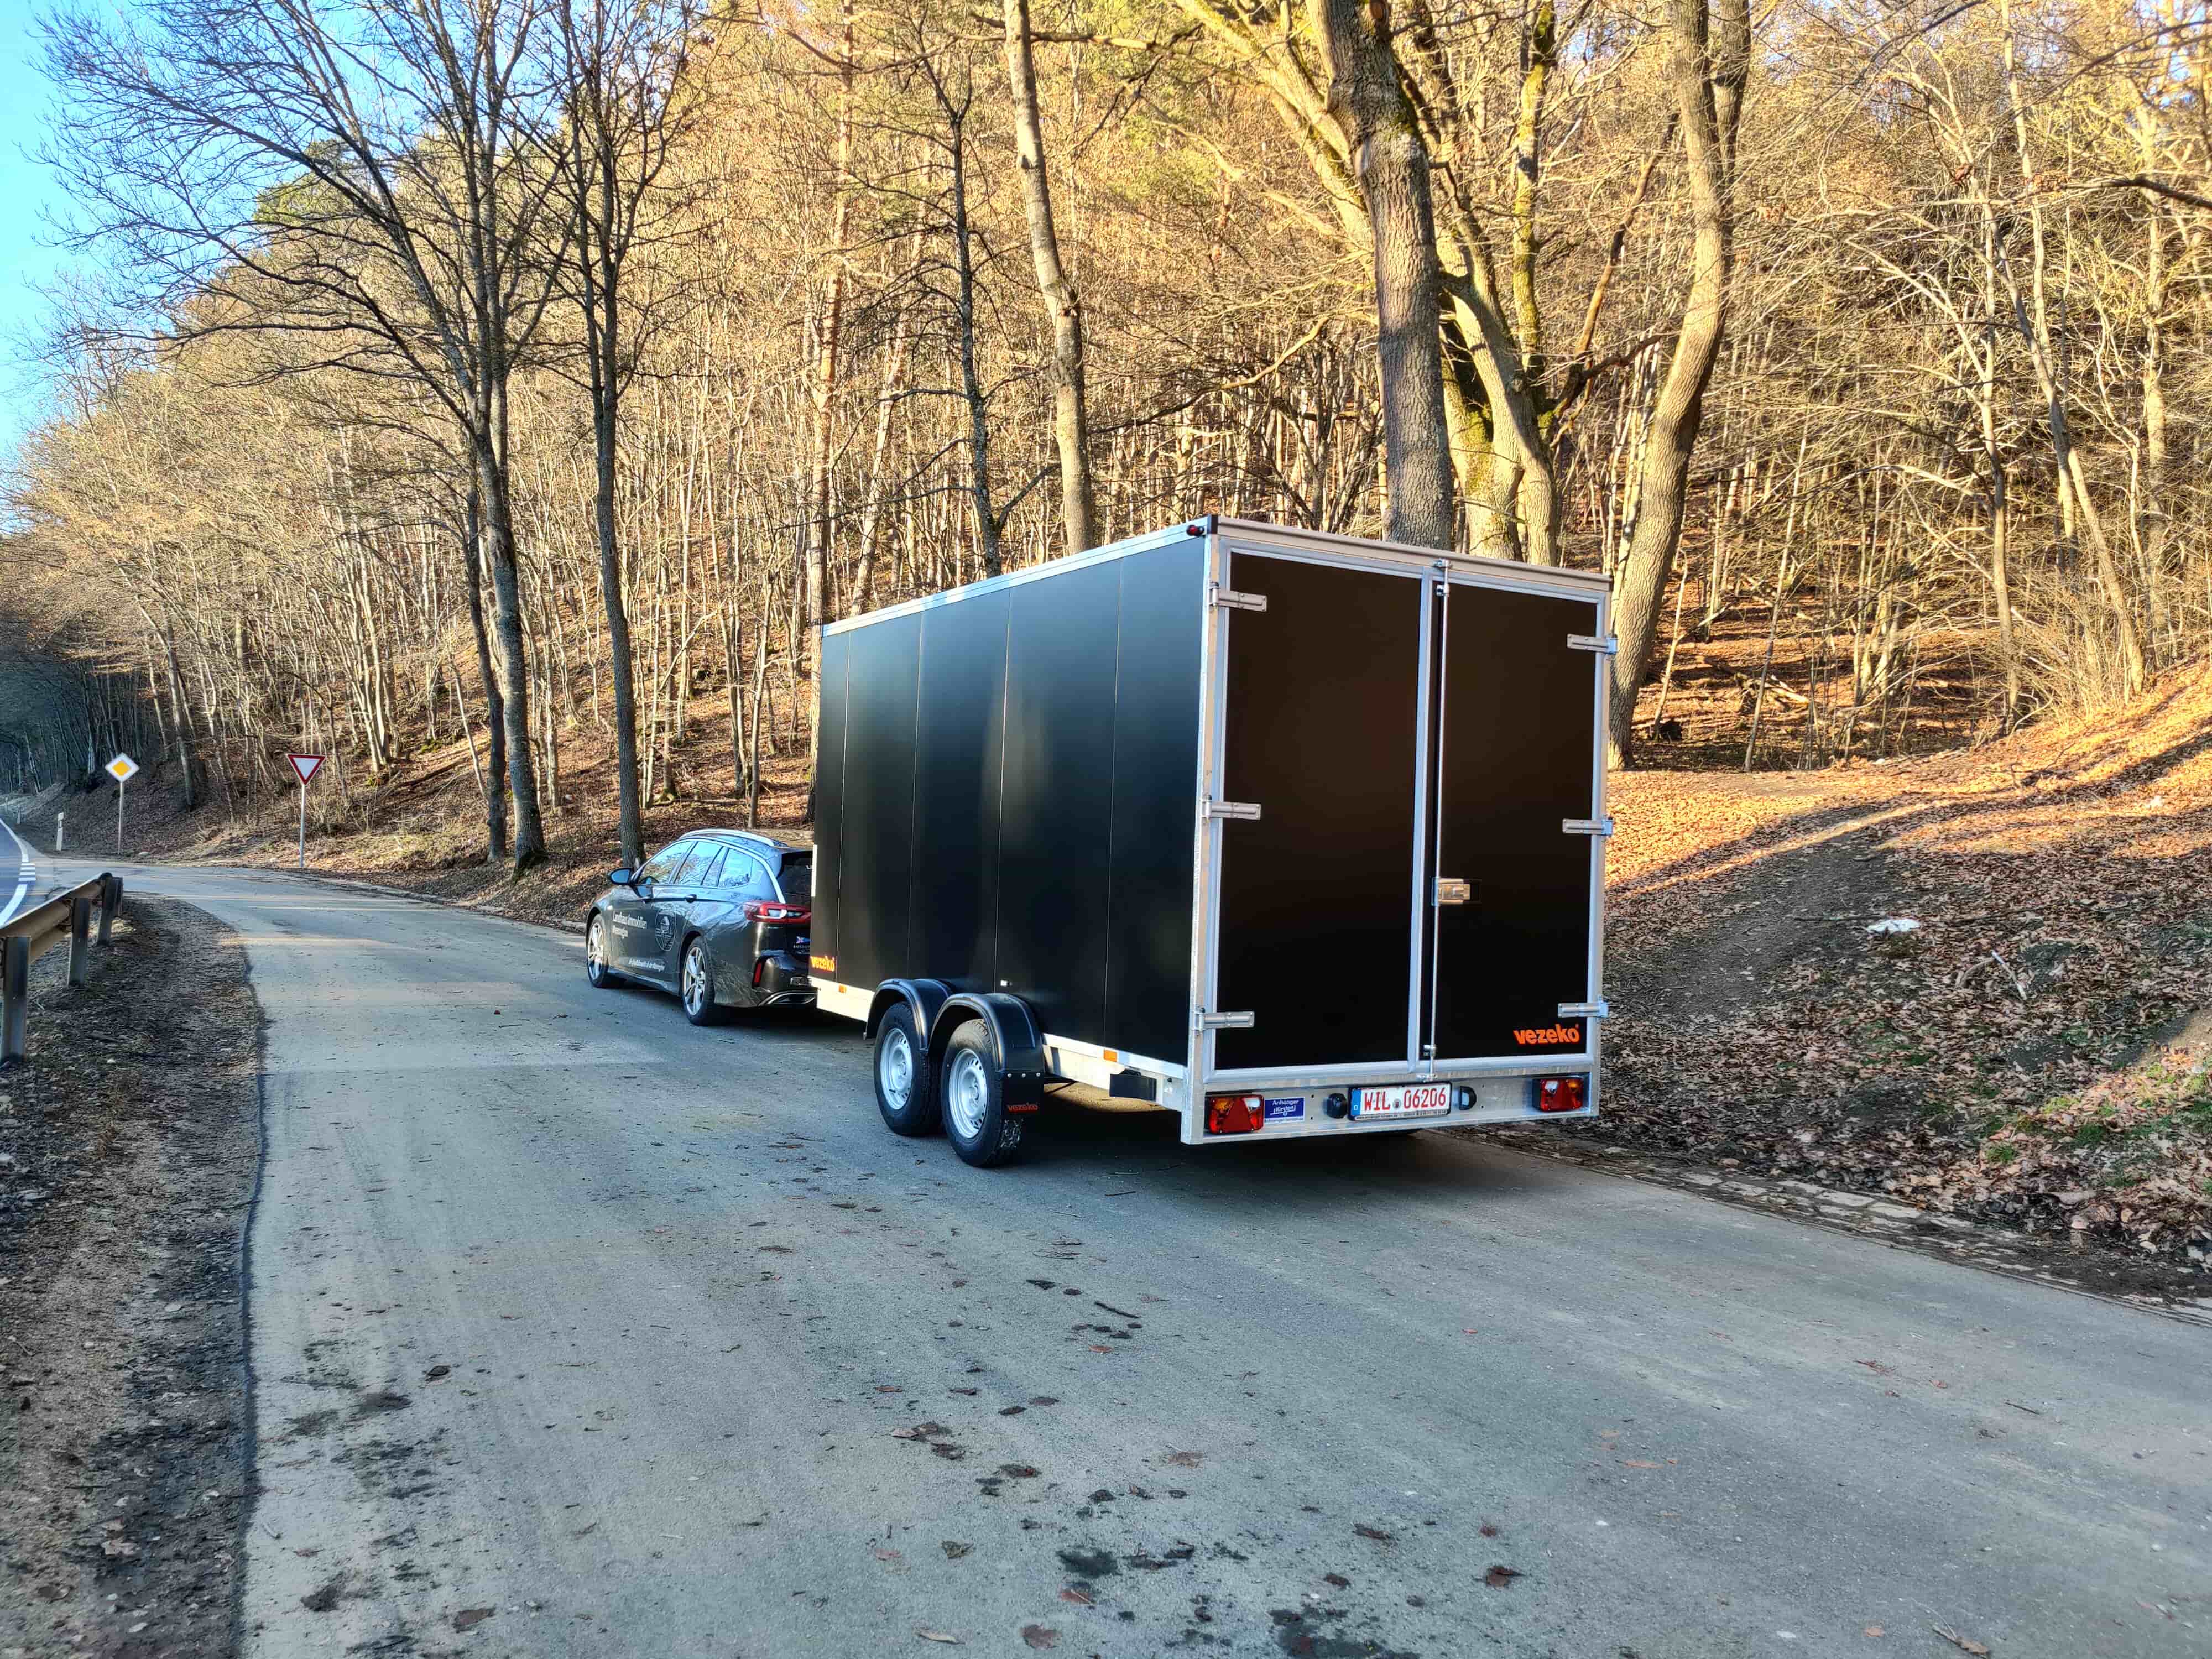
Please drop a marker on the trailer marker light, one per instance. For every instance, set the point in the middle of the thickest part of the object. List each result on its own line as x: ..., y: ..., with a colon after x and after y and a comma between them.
x: 1337, y: 1105
x: 1463, y: 1098
x: 1559, y: 1094
x: 1234, y: 1115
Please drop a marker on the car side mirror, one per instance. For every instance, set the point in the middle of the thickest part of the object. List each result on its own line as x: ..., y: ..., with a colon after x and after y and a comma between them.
x: 624, y: 877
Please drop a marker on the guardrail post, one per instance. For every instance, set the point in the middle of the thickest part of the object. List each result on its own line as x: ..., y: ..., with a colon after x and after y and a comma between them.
x: 111, y: 901
x: 14, y: 994
x: 80, y: 938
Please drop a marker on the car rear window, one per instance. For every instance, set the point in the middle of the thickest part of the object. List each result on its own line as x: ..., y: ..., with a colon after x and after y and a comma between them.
x: 796, y: 875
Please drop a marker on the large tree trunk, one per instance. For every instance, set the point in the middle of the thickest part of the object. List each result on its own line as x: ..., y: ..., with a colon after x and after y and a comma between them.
x: 605, y: 397
x: 494, y: 709
x: 1078, y: 507
x: 1368, y: 102
x: 515, y: 658
x: 1708, y: 79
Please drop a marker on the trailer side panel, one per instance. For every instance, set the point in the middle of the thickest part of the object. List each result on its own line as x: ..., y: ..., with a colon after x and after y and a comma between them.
x: 1056, y: 818
x: 876, y: 847
x: 954, y: 899
x: 1156, y: 721
x: 828, y: 800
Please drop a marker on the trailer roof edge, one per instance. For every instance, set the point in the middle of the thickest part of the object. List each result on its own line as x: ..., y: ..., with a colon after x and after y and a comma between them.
x: 1121, y: 549
x: 1260, y: 529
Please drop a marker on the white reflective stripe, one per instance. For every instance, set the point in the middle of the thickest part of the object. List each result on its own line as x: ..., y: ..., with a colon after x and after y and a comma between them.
x: 26, y: 875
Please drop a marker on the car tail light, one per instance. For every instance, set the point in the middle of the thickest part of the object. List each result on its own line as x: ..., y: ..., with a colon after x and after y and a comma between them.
x: 1560, y: 1094
x: 778, y: 915
x: 1234, y: 1115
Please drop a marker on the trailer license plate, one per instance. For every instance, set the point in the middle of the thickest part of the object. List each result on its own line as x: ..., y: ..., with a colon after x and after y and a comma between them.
x: 1408, y: 1100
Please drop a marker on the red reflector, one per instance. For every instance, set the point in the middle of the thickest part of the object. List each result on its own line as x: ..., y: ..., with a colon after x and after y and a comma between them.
x: 1234, y: 1115
x: 1559, y: 1094
x: 770, y: 911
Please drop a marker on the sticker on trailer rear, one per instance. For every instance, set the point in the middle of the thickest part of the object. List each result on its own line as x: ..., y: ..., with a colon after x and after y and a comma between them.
x: 1294, y: 1106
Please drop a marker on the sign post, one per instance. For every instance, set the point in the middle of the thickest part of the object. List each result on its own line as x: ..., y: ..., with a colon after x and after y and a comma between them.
x: 122, y: 769
x: 305, y: 765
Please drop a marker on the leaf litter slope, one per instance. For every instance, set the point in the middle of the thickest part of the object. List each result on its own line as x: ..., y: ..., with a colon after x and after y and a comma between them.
x: 2034, y: 1054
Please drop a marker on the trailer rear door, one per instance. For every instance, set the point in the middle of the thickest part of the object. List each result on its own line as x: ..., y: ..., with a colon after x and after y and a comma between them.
x: 1322, y: 721
x: 1513, y: 929
x: 1419, y: 886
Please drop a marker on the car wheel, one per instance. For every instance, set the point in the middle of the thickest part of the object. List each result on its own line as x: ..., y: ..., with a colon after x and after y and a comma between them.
x: 973, y: 1097
x: 699, y: 1005
x: 595, y: 970
x: 906, y: 1086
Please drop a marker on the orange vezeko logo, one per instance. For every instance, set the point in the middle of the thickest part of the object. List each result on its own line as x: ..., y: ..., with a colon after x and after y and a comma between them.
x: 1549, y: 1036
x: 826, y: 965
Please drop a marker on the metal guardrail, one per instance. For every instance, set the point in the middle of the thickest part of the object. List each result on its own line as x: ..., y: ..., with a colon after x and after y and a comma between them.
x: 29, y: 936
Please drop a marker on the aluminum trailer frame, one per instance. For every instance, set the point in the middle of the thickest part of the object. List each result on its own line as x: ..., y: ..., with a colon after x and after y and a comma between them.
x: 1127, y: 1029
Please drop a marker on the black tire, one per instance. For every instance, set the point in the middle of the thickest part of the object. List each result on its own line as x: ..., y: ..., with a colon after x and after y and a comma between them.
x: 695, y: 988
x: 597, y: 974
x: 971, y: 1093
x: 906, y: 1083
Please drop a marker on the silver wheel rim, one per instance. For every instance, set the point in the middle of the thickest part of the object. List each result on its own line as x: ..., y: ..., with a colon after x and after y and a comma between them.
x: 695, y: 979
x: 968, y: 1094
x: 595, y: 949
x: 895, y: 1068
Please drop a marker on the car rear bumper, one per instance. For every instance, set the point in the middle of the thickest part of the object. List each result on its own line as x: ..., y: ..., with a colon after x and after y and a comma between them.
x: 779, y: 977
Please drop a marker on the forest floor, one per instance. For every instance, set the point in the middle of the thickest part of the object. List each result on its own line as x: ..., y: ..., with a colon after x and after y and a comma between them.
x: 2033, y: 1052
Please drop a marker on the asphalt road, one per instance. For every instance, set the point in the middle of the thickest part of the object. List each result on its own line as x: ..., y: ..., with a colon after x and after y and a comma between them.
x: 564, y: 1310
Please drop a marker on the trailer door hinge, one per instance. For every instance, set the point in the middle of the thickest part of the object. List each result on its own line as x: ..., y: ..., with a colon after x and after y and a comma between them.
x: 1229, y: 600
x: 1604, y: 644
x: 1232, y: 809
x: 1586, y: 826
x: 1224, y: 1022
x: 1451, y: 891
x: 1600, y: 1010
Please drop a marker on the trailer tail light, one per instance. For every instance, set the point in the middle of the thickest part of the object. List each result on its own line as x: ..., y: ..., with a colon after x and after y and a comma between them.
x: 1234, y: 1115
x: 777, y: 915
x: 1560, y: 1094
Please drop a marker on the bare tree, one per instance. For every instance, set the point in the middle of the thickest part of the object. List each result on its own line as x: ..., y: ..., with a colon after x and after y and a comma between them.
x: 628, y: 108
x: 376, y: 179
x: 1071, y: 425
x: 1708, y: 60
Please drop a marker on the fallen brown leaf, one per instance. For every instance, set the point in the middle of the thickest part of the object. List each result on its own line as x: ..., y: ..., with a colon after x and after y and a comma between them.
x: 1500, y: 1576
x: 938, y: 1635
x: 1040, y: 1636
x: 1964, y: 1644
x: 1078, y: 1597
x: 469, y: 1617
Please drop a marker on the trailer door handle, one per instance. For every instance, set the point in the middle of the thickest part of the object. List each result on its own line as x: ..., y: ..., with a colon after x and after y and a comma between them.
x: 1450, y: 890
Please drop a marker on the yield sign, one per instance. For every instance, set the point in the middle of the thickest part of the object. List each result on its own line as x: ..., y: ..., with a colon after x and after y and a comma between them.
x: 305, y: 765
x: 121, y: 768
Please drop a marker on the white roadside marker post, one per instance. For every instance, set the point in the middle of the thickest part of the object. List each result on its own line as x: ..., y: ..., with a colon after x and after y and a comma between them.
x: 305, y: 765
x: 61, y: 824
x: 122, y: 769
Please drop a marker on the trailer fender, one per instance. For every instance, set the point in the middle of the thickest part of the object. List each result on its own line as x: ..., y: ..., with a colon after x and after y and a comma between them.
x: 1016, y: 1040
x: 923, y: 997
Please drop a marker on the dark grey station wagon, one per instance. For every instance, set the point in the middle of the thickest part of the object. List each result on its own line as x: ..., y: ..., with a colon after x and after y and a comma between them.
x: 720, y: 918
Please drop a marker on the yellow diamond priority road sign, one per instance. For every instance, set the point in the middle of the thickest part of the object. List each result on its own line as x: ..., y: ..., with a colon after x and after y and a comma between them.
x: 122, y: 769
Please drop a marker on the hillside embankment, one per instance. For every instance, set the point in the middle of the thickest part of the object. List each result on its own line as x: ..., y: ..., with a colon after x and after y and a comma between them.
x: 1977, y: 981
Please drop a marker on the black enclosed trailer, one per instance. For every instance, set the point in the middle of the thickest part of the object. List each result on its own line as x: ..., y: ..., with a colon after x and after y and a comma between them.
x: 1289, y: 833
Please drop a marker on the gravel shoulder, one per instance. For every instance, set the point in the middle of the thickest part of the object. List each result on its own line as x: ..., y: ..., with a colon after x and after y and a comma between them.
x: 128, y: 1141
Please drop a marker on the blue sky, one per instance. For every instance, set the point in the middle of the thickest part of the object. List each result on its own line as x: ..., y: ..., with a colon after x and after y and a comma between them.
x: 26, y: 189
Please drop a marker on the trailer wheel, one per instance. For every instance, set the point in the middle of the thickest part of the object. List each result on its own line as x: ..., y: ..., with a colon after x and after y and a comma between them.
x: 906, y: 1086
x: 973, y: 1093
